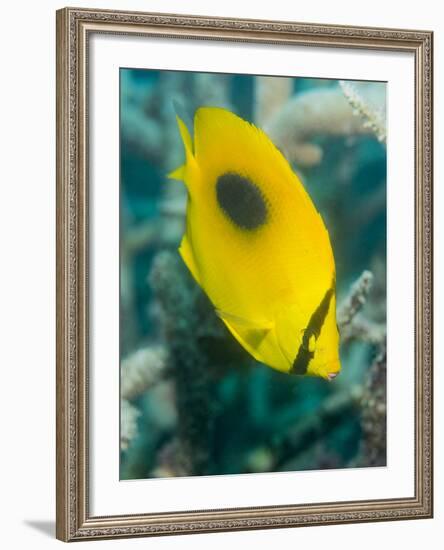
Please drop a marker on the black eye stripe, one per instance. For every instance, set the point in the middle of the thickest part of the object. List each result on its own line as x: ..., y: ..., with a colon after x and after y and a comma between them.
x: 241, y: 200
x: 304, y: 356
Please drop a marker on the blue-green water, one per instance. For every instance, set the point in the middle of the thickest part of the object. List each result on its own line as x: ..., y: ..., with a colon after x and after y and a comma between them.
x: 216, y: 410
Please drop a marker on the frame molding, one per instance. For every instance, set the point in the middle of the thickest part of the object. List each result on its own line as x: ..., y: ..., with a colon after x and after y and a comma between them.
x: 73, y: 520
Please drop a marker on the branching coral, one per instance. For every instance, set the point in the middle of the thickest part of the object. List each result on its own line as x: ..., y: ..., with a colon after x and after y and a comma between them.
x: 271, y: 94
x: 373, y: 413
x: 354, y: 326
x: 128, y: 422
x: 140, y: 133
x: 141, y: 370
x: 292, y: 121
x: 309, y: 114
x: 194, y: 344
x: 137, y: 238
x: 209, y: 89
x: 182, y: 316
x: 186, y: 319
x: 364, y: 330
x: 373, y: 116
x: 355, y: 299
x: 149, y: 129
x: 365, y: 401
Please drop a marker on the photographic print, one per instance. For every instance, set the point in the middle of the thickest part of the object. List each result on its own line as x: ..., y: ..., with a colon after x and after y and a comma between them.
x: 244, y: 274
x: 252, y: 274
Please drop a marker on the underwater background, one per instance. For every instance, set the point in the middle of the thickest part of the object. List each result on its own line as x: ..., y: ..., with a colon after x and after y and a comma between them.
x: 193, y: 402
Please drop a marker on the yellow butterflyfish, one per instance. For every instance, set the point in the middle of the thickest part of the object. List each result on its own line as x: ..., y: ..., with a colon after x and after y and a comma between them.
x: 257, y: 246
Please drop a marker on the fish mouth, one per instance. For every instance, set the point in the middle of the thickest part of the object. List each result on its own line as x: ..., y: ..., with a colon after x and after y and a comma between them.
x: 332, y: 375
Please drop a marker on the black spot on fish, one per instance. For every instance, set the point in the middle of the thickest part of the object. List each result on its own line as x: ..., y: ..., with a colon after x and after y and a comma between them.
x: 241, y: 200
x: 314, y: 328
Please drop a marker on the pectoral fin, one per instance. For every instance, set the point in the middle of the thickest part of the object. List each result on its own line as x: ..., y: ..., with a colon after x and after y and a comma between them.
x: 246, y: 332
x: 178, y: 173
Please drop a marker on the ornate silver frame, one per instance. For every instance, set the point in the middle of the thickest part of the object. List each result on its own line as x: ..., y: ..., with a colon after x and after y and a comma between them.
x: 74, y: 521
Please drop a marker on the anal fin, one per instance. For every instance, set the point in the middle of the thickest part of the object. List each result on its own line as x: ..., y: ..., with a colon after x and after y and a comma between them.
x: 188, y: 257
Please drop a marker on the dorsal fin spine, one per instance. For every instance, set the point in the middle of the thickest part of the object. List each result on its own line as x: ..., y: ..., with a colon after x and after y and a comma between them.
x: 184, y: 172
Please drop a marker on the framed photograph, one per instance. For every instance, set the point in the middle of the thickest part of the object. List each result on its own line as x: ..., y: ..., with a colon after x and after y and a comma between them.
x: 244, y: 274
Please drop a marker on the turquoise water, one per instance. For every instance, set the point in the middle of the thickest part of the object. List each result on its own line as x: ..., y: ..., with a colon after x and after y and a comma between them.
x: 215, y: 410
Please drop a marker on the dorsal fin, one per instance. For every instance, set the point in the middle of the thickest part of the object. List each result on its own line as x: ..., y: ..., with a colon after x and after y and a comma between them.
x: 183, y: 114
x: 220, y: 134
x: 180, y: 173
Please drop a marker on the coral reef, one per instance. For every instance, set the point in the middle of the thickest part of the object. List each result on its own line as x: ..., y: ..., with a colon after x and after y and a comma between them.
x: 318, y: 112
x: 373, y: 391
x: 150, y: 139
x: 355, y: 299
x: 312, y: 429
x: 367, y: 399
x: 271, y: 94
x: 128, y: 422
x: 141, y: 370
x: 185, y: 382
x: 374, y: 414
x: 367, y: 101
x: 351, y: 324
x: 184, y: 316
x: 186, y: 321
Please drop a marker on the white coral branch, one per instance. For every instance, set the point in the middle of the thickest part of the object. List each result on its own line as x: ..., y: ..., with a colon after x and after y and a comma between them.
x: 307, y: 115
x: 355, y: 299
x: 372, y: 118
x: 352, y: 324
x: 128, y: 423
x: 142, y: 370
x: 271, y: 94
x: 364, y: 330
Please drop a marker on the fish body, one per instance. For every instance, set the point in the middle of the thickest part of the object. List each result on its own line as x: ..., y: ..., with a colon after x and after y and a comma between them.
x: 257, y: 246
